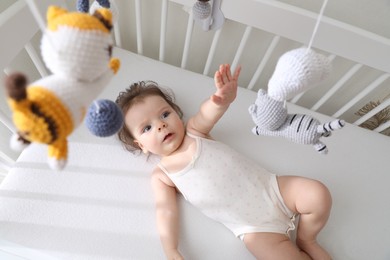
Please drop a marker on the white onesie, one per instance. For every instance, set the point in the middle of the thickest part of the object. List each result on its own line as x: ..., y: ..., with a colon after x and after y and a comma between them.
x: 233, y: 190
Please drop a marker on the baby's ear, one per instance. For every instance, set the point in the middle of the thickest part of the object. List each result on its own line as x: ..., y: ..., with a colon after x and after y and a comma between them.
x: 140, y: 146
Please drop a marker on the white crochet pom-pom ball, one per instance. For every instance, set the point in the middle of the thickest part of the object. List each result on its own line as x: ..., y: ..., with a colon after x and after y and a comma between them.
x: 104, y: 118
x: 201, y: 10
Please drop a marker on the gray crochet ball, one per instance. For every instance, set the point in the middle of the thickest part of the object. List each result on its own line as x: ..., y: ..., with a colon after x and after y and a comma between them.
x: 201, y: 10
x: 104, y: 118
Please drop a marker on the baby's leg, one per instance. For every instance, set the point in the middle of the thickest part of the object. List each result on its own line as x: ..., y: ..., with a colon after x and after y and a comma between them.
x: 312, y: 200
x: 273, y: 246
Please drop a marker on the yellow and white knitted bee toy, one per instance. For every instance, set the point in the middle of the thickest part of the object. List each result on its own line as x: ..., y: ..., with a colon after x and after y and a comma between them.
x: 76, y: 47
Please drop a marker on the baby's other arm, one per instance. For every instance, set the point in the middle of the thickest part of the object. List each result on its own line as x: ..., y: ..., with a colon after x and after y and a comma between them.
x: 167, y: 213
x: 213, y: 109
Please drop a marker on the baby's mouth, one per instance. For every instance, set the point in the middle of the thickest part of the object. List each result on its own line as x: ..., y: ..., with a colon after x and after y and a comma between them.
x: 167, y: 136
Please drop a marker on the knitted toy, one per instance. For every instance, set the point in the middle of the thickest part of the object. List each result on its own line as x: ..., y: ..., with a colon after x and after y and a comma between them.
x: 76, y: 47
x: 201, y: 9
x: 83, y: 6
x: 208, y: 14
x: 295, y: 72
x: 104, y: 118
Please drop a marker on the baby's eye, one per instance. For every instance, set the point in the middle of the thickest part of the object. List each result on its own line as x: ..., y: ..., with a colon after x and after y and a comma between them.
x: 165, y: 114
x: 146, y: 129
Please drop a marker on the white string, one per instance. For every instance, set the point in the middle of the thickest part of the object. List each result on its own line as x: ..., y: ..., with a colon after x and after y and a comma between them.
x: 97, y: 106
x: 317, y: 23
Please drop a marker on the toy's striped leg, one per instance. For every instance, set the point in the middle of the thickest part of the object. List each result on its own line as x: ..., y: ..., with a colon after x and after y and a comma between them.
x: 58, y: 152
x: 325, y: 129
x: 321, y: 148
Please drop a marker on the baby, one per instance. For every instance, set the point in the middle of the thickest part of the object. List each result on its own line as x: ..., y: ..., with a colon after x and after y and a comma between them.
x: 257, y: 206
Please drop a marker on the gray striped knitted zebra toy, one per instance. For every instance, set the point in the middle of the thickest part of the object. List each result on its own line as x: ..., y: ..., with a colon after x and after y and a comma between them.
x: 295, y: 72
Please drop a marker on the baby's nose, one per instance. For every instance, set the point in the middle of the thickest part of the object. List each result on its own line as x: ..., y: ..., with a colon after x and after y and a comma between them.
x: 163, y: 125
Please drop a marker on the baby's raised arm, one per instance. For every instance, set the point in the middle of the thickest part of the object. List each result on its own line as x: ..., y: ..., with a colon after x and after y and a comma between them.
x: 213, y: 109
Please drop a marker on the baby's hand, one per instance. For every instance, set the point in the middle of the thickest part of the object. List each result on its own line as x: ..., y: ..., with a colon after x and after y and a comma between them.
x: 226, y: 85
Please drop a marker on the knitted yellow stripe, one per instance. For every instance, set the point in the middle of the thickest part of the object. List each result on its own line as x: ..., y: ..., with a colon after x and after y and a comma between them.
x: 32, y: 127
x: 59, y: 17
x: 51, y: 106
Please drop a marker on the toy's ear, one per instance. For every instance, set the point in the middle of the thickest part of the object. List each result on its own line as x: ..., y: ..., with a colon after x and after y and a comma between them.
x: 261, y: 92
x: 53, y: 12
x: 82, y: 6
x: 105, y: 17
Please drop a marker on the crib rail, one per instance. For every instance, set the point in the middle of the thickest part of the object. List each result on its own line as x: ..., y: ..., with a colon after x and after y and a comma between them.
x: 18, y: 26
x: 16, y: 18
x: 360, y: 57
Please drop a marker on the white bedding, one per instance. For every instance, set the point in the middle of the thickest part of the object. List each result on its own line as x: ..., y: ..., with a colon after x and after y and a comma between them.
x: 101, y: 206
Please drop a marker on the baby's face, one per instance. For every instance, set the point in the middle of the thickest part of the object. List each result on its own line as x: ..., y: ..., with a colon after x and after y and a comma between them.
x: 156, y: 126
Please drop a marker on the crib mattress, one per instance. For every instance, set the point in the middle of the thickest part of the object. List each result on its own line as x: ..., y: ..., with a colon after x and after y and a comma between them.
x: 101, y: 206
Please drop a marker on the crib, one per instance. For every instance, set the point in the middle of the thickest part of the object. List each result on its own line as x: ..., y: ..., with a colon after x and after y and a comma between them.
x: 101, y: 207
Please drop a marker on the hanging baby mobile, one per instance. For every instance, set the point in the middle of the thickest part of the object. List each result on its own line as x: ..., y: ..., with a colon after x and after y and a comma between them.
x: 208, y: 14
x: 296, y: 71
x: 76, y: 47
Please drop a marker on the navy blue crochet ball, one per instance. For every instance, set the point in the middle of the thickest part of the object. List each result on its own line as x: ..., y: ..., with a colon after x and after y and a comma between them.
x: 104, y: 118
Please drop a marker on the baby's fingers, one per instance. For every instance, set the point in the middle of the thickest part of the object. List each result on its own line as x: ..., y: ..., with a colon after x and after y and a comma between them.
x: 237, y: 73
x: 218, y: 78
x: 224, y: 70
x: 228, y: 73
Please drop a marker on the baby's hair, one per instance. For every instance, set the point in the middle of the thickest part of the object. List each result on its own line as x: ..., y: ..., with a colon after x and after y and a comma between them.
x: 134, y: 94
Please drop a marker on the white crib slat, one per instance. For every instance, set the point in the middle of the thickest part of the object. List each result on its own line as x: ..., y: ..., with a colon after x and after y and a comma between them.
x: 4, y: 119
x: 382, y: 127
x: 241, y: 47
x: 187, y: 42
x: 117, y: 35
x: 264, y: 61
x: 7, y: 122
x: 297, y: 97
x: 337, y: 86
x: 117, y: 30
x: 212, y: 52
x: 163, y: 28
x: 367, y: 48
x: 140, y: 47
x: 362, y: 94
x: 16, y: 18
x: 35, y: 57
x: 374, y: 111
x: 6, y: 160
x: 39, y: 18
